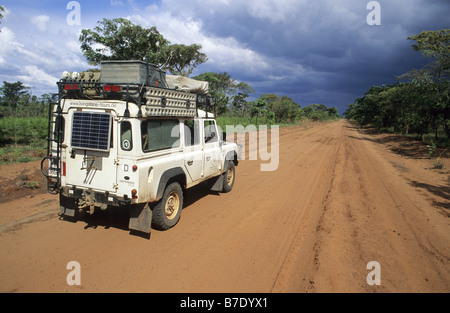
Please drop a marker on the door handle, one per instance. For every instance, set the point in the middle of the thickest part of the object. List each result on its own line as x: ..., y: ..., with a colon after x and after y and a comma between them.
x: 208, y: 158
x: 190, y: 162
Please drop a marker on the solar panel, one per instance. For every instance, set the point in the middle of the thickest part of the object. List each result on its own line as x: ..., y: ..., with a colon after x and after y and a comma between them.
x: 91, y: 131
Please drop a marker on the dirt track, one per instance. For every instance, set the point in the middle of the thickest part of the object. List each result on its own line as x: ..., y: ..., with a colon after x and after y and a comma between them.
x: 339, y: 199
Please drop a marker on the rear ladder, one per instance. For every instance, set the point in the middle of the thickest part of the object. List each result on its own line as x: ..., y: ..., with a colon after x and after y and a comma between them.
x: 54, y: 135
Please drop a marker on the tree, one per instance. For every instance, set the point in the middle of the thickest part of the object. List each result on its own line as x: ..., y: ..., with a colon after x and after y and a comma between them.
x: 257, y: 108
x: 2, y: 9
x: 333, y: 112
x: 182, y: 59
x: 120, y: 39
x: 16, y: 100
x: 283, y: 108
x: 435, y: 44
x: 220, y: 85
x: 419, y: 102
x: 12, y: 93
x: 240, y: 103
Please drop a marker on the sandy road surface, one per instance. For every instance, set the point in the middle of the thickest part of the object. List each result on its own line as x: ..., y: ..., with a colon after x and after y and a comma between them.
x: 339, y: 199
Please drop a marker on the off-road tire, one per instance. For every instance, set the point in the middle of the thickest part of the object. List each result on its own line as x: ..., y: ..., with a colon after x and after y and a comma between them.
x: 166, y: 213
x: 229, y: 177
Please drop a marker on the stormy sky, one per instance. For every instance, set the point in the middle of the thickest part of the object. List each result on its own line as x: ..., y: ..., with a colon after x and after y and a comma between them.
x: 322, y: 51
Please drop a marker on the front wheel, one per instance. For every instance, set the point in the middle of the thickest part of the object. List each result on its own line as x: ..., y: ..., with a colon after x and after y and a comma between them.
x: 166, y: 213
x: 229, y: 177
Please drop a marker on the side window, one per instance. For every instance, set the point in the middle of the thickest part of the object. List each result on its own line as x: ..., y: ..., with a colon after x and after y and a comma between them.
x: 191, y: 133
x: 60, y: 123
x: 210, y: 132
x: 160, y: 134
x: 126, y: 138
x: 111, y: 136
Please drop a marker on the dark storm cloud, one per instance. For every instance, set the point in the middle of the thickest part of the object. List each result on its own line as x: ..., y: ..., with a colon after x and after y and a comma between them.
x: 323, y: 51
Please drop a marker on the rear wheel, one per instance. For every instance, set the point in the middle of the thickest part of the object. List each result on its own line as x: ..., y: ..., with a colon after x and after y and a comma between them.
x: 166, y: 213
x: 229, y: 177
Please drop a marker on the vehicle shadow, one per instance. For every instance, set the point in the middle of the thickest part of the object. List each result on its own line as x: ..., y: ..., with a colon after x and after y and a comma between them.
x: 198, y: 192
x: 111, y: 218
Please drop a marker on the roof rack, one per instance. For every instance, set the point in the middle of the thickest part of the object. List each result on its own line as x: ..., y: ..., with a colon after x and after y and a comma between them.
x: 151, y: 101
x: 140, y: 83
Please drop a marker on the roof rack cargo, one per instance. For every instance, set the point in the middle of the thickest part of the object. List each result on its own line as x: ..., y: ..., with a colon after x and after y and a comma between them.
x: 143, y: 84
x: 132, y: 72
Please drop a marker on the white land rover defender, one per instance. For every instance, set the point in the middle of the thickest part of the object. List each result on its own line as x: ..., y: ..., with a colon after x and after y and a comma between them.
x: 132, y: 136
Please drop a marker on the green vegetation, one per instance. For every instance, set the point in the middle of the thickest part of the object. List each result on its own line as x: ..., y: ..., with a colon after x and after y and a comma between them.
x: 23, y: 124
x: 23, y: 130
x: 2, y: 9
x: 120, y: 39
x: 419, y: 102
x: 232, y: 104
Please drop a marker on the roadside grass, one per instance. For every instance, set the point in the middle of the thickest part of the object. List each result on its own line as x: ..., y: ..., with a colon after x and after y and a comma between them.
x: 10, y: 154
x: 438, y: 164
x: 441, y: 141
x: 425, y: 146
x: 22, y: 139
x: 223, y: 121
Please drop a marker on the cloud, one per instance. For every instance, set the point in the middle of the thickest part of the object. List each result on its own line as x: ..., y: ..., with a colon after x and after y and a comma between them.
x: 117, y: 3
x: 295, y: 46
x: 224, y: 53
x: 36, y: 75
x: 38, y: 58
x: 8, y: 44
x: 41, y: 22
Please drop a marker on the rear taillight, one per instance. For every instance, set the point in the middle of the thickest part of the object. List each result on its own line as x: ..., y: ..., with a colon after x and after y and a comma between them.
x: 113, y: 88
x: 72, y: 87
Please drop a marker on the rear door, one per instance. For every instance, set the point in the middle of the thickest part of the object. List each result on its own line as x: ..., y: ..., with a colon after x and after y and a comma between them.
x: 193, y: 149
x: 211, y: 149
x: 92, y: 150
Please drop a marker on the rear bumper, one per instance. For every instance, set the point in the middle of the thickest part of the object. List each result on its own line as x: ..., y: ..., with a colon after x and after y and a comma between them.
x: 88, y: 197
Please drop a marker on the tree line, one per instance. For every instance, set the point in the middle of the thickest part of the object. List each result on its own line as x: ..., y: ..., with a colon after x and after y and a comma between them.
x: 419, y: 101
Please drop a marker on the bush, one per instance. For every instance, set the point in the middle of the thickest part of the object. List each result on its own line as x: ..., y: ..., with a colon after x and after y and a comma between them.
x: 22, y: 130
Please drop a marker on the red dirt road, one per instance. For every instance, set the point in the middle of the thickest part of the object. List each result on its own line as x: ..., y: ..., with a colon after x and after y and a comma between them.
x: 339, y: 199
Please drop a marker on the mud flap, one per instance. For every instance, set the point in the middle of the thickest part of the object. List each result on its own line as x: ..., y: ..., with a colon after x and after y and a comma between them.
x: 67, y: 206
x: 141, y: 218
x: 67, y: 212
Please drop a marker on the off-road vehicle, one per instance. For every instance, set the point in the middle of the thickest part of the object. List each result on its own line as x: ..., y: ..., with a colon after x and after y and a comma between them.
x: 130, y: 136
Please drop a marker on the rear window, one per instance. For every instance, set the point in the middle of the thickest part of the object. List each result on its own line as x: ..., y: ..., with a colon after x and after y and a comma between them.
x: 126, y: 137
x: 160, y: 134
